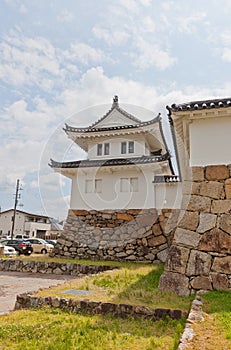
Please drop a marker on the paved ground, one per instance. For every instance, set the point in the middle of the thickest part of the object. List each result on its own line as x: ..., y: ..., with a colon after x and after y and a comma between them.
x: 13, y: 283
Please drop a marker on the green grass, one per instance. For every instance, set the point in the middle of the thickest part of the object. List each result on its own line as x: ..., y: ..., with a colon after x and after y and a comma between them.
x: 218, y: 303
x: 56, y: 330
x: 135, y: 285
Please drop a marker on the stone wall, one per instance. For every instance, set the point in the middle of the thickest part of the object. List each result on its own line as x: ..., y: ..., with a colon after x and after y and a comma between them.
x: 96, y: 307
x: 52, y: 267
x: 200, y: 254
x: 129, y: 235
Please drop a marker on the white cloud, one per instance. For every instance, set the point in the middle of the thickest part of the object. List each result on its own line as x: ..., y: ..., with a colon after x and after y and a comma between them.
x: 113, y: 38
x: 189, y: 24
x: 226, y: 55
x: 226, y: 38
x: 24, y: 59
x: 85, y: 54
x: 65, y: 16
x: 150, y: 55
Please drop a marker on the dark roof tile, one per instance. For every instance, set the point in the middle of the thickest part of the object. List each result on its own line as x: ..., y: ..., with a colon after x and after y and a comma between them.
x: 198, y: 105
x: 110, y: 162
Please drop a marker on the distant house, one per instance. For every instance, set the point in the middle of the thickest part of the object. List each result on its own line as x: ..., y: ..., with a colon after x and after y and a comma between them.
x: 55, y: 230
x: 32, y: 225
x: 126, y: 159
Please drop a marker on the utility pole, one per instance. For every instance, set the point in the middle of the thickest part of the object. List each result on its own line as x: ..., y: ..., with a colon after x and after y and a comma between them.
x: 15, y: 207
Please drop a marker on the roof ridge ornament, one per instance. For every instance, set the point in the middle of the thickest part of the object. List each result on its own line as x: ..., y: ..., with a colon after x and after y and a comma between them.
x: 115, y: 101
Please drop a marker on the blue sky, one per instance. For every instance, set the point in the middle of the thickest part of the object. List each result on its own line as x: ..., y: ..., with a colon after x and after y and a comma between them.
x: 60, y: 58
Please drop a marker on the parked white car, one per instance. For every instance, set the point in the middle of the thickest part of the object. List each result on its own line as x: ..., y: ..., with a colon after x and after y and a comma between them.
x: 40, y: 246
x: 7, y: 250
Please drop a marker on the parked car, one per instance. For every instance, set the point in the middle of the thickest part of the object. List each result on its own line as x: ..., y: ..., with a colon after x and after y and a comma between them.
x: 21, y: 237
x: 40, y: 245
x: 8, y: 251
x: 21, y: 247
x: 51, y: 241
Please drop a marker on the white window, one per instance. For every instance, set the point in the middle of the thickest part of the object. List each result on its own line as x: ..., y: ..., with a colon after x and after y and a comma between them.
x: 129, y: 184
x: 103, y: 148
x: 134, y: 184
x: 124, y: 184
x: 131, y: 147
x: 99, y: 149
x: 127, y: 147
x: 98, y: 185
x: 123, y: 147
x: 93, y: 186
x: 88, y: 186
x: 106, y: 149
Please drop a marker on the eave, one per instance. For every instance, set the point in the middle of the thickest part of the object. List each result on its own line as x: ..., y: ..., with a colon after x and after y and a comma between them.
x: 86, y: 163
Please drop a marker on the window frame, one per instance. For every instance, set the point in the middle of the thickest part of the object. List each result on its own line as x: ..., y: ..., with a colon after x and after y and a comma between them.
x: 124, y: 147
x: 106, y: 148
x: 131, y: 147
x: 99, y: 149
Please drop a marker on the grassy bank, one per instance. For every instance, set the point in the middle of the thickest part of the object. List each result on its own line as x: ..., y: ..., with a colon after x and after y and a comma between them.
x: 55, y: 330
x: 136, y: 284
x: 133, y: 283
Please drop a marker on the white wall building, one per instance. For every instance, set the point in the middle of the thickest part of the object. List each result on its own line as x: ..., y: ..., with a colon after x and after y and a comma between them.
x: 28, y: 224
x: 202, y: 132
x: 128, y: 164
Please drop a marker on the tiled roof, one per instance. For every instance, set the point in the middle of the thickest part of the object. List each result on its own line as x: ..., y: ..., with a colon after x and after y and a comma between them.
x: 110, y: 162
x: 135, y: 122
x: 166, y: 179
x: 121, y: 127
x: 199, y: 105
x: 115, y: 105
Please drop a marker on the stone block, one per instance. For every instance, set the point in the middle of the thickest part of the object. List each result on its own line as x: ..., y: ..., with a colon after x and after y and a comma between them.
x: 199, y: 203
x: 156, y: 230
x: 220, y: 281
x: 177, y: 259
x: 207, y: 222
x: 134, y: 211
x: 186, y: 237
x: 221, y: 206
x: 213, y: 189
x: 199, y: 263
x: 124, y: 217
x: 216, y: 172
x: 201, y: 282
x: 80, y: 212
x: 228, y: 189
x: 157, y: 240
x: 189, y: 220
x: 225, y: 223
x: 198, y: 173
x: 150, y: 256
x: 195, y: 188
x: 175, y: 283
x: 170, y: 222
x: 185, y: 201
x: 146, y: 220
x: 222, y: 265
x: 162, y: 256
x: 216, y: 241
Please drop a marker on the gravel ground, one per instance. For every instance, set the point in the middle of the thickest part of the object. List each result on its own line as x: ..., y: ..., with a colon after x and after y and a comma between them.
x: 14, y: 283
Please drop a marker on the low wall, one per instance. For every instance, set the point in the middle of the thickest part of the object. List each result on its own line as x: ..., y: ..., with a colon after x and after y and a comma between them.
x: 130, y: 235
x: 93, y: 307
x: 52, y: 267
x: 200, y: 254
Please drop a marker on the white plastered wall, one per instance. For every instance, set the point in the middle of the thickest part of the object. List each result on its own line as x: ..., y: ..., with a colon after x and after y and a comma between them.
x: 149, y: 195
x: 210, y: 141
x: 115, y: 147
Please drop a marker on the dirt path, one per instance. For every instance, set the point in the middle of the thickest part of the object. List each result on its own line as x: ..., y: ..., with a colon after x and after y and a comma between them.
x: 13, y: 283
